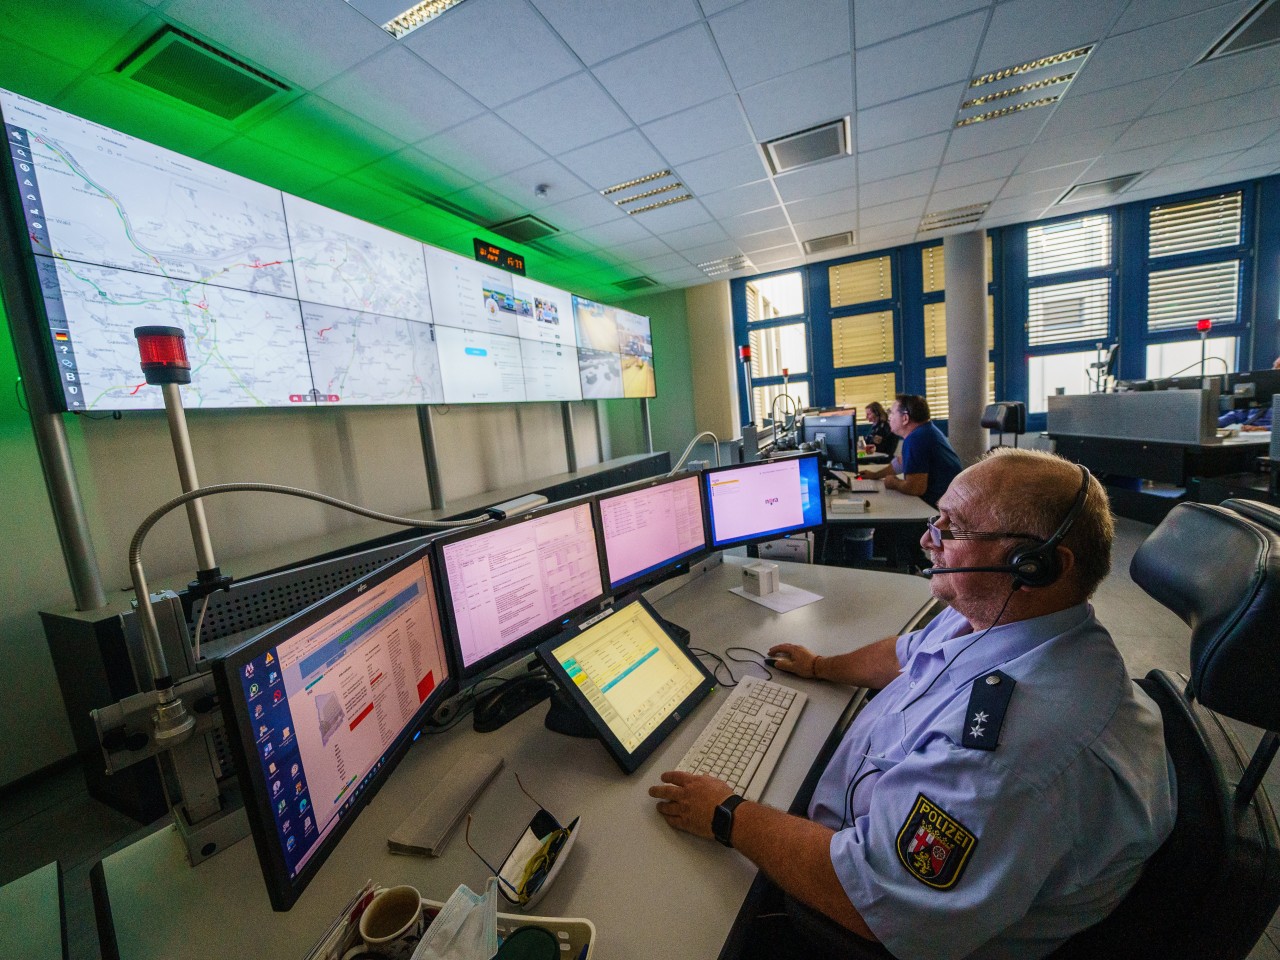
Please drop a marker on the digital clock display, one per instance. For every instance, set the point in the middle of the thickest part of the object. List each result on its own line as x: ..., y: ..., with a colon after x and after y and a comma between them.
x: 505, y: 259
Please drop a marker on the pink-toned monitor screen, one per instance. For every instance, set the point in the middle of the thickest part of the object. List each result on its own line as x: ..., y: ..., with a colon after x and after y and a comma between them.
x: 509, y: 582
x: 646, y: 530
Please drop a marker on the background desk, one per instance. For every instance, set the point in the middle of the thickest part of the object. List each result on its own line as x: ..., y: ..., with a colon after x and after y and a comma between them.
x: 649, y: 890
x: 898, y: 519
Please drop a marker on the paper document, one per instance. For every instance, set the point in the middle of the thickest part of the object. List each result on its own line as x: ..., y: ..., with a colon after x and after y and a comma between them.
x: 786, y: 598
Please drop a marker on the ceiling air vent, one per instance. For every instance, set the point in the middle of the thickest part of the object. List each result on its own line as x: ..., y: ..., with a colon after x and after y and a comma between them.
x: 956, y: 217
x: 808, y: 146
x: 1098, y: 189
x: 1260, y: 27
x: 524, y: 229
x: 833, y: 242
x: 190, y: 70
x: 716, y: 268
x: 636, y: 283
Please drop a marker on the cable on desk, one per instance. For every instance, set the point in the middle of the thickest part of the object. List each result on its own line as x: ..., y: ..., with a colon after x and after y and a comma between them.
x: 466, y: 702
x: 756, y: 659
x: 720, y: 663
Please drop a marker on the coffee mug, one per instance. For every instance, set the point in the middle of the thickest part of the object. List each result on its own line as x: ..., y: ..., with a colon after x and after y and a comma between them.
x: 392, y: 924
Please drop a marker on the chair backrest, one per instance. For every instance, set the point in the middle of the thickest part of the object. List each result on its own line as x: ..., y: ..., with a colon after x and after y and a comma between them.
x: 1214, y: 885
x: 1009, y: 416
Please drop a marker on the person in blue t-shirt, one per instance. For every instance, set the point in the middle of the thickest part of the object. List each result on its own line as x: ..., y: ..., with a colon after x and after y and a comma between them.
x: 1259, y: 418
x: 926, y: 461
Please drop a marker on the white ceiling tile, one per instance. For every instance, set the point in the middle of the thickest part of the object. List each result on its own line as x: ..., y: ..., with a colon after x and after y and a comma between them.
x: 901, y: 158
x: 941, y: 200
x: 349, y: 195
x: 567, y: 244
x: 1262, y: 155
x: 605, y: 28
x: 877, y: 20
x: 570, y: 113
x: 522, y: 186
x: 667, y: 76
x: 617, y: 233
x: 712, y: 251
x: 1218, y: 79
x: 497, y: 50
x: 734, y: 167
x: 739, y: 200
x: 484, y: 204
x: 670, y: 261
x: 613, y: 160
x: 483, y: 148
x: 1219, y: 142
x: 910, y: 118
x: 827, y: 205
x: 1144, y: 13
x: 97, y: 26
x: 318, y: 47
x: 348, y: 141
x: 1080, y: 114
x: 696, y: 236
x: 780, y: 262
x: 711, y: 7
x: 397, y: 107
x: 759, y: 221
x: 677, y: 216
x: 1023, y: 30
x: 800, y: 100
x: 911, y: 208
x: 825, y: 177
x: 916, y: 184
x: 1170, y: 176
x: 588, y: 210
x: 1169, y: 46
x: 964, y: 172
x: 1004, y: 133
x: 1088, y: 144
x: 1120, y: 163
x: 644, y: 249
x: 1048, y: 178
x: 887, y: 235
x: 769, y: 240
x: 693, y: 134
x: 413, y: 172
x: 1019, y: 209
x: 826, y: 226
x: 761, y: 39
x: 920, y: 61
x: 1248, y: 165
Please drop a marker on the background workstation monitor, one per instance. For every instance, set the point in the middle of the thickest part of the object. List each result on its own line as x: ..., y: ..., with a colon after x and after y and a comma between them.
x: 628, y: 677
x: 835, y: 434
x: 507, y: 586
x: 321, y: 708
x: 651, y: 530
x: 750, y: 502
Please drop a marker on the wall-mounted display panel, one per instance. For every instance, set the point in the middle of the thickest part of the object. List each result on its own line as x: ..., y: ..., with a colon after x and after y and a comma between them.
x: 615, y: 351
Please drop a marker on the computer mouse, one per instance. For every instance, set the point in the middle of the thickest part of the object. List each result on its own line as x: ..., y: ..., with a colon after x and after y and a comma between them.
x: 771, y: 661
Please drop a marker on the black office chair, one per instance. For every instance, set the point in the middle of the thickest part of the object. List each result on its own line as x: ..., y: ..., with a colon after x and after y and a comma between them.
x: 1009, y: 416
x: 1214, y: 885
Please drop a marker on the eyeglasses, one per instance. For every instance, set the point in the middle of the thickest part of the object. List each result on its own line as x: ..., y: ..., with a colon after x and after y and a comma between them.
x: 937, y: 534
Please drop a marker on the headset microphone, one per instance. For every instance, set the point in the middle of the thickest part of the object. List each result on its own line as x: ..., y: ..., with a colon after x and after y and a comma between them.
x: 1005, y: 568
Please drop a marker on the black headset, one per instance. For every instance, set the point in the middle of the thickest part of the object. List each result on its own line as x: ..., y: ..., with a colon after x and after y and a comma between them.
x: 1037, y: 564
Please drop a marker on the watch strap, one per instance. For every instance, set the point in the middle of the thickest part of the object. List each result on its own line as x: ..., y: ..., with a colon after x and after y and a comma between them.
x: 722, y: 819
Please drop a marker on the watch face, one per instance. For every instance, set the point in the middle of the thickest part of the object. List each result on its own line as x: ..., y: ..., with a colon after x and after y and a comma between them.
x: 722, y: 820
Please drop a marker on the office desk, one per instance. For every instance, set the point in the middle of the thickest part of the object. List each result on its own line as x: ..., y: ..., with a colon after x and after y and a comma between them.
x: 898, y: 519
x: 31, y: 924
x: 649, y: 890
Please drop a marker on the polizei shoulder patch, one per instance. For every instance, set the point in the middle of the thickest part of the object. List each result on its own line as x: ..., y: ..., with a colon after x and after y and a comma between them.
x: 934, y: 846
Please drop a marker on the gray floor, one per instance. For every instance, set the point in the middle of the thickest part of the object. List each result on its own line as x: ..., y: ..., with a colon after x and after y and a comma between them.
x: 59, y: 821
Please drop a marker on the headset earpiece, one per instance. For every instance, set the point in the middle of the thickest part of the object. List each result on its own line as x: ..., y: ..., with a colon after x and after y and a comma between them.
x: 1038, y: 565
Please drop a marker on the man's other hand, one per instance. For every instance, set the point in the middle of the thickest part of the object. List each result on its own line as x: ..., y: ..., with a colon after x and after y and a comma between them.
x: 688, y: 800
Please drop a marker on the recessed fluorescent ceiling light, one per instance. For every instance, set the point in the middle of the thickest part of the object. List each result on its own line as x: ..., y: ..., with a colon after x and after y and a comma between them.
x: 654, y: 191
x: 714, y: 268
x: 398, y: 19
x: 1024, y: 86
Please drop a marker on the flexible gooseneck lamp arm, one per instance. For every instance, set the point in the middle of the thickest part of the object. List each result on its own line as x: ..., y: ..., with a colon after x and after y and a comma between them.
x: 689, y: 449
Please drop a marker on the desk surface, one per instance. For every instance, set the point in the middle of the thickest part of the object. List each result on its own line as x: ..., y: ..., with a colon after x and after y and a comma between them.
x: 632, y: 875
x: 887, y: 506
x: 31, y: 916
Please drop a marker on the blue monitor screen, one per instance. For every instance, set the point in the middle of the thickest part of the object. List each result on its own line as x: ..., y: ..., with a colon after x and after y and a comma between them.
x: 760, y: 501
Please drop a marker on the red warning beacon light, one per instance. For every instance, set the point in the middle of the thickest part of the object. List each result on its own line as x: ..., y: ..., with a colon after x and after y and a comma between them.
x: 1204, y: 326
x: 163, y: 351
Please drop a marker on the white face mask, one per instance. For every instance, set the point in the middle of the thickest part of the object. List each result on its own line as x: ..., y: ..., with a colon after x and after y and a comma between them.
x: 466, y: 928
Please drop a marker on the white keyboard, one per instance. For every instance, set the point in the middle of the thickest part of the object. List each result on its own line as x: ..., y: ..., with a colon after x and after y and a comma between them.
x: 744, y: 740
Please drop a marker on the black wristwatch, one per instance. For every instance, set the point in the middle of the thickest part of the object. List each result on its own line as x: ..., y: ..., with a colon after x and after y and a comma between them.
x: 722, y: 820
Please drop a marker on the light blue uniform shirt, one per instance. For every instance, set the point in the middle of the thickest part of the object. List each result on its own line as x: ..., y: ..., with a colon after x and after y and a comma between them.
x: 954, y: 852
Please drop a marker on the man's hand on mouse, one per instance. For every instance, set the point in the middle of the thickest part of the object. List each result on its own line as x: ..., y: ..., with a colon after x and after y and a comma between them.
x: 688, y: 800
x: 793, y: 658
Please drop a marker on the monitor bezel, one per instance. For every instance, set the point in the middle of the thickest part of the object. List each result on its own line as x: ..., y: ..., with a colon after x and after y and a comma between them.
x: 524, y: 645
x: 713, y: 544
x: 647, y: 578
x: 811, y: 423
x: 282, y: 890
x: 627, y: 761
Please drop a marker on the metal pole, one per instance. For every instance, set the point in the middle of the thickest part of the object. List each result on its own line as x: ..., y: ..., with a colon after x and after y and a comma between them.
x: 645, y: 425
x: 595, y: 413
x: 570, y: 447
x: 427, y: 430
x: 187, y: 475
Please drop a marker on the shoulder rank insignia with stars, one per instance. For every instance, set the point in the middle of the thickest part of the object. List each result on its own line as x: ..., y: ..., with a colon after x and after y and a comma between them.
x: 988, y: 700
x: 933, y: 845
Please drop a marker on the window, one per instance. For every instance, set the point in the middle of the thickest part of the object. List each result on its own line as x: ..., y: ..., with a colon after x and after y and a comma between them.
x: 1178, y: 299
x: 778, y: 296
x: 937, y: 395
x: 1182, y: 357
x: 861, y: 281
x: 1058, y: 373
x: 935, y: 328
x: 774, y: 349
x: 856, y: 392
x: 1069, y: 245
x: 763, y: 400
x: 1204, y: 224
x: 862, y: 339
x: 1065, y: 312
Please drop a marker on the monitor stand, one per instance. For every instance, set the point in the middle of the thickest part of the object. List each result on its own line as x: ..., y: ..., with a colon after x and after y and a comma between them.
x: 565, y: 717
x: 500, y: 706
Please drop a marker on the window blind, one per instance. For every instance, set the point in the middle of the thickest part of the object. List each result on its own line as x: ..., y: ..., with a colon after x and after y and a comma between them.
x: 1080, y: 244
x: 863, y: 281
x: 862, y: 339
x: 933, y: 266
x: 939, y: 398
x: 775, y: 348
x: 1193, y: 225
x: 935, y: 328
x: 857, y: 392
x: 1176, y: 299
x: 1065, y: 312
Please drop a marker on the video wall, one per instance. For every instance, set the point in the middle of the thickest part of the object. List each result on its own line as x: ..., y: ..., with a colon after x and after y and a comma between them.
x: 284, y: 302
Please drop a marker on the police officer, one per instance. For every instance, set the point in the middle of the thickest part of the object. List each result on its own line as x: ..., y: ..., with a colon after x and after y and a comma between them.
x: 1005, y: 787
